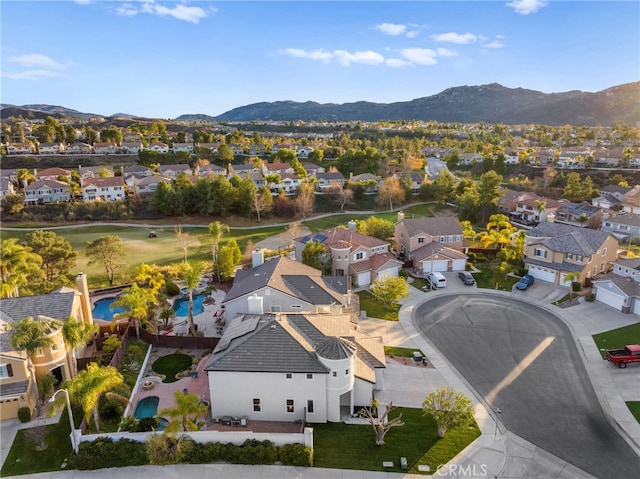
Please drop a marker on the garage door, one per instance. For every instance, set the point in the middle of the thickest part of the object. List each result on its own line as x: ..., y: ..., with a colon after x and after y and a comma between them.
x: 607, y: 297
x: 459, y: 264
x: 363, y: 279
x: 542, y: 274
x: 391, y: 272
x: 636, y: 306
x: 437, y: 265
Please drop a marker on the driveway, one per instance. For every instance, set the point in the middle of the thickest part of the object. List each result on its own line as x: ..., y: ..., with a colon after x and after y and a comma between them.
x: 523, y: 362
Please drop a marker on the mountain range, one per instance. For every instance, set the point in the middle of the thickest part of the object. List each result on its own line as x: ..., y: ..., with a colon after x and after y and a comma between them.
x: 492, y: 103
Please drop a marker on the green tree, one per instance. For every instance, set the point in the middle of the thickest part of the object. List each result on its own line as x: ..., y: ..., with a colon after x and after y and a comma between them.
x: 57, y: 256
x: 19, y: 267
x: 89, y: 385
x: 137, y: 303
x: 225, y: 153
x: 315, y: 254
x: 76, y: 334
x: 30, y: 335
x: 444, y: 186
x: 107, y: 251
x: 571, y: 278
x: 467, y: 203
x: 389, y: 290
x: 192, y: 273
x: 12, y: 205
x: 184, y: 416
x: 376, y: 227
x: 577, y: 189
x: 216, y: 232
x: 227, y: 259
x: 448, y: 408
x: 489, y: 191
x: 25, y: 177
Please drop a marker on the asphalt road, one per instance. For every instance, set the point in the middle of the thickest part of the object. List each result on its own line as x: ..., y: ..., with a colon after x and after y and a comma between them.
x: 523, y: 361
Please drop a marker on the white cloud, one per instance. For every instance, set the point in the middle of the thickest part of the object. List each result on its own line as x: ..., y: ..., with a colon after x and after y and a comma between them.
x: 458, y: 38
x: 445, y: 52
x: 83, y: 2
x: 525, y: 7
x: 392, y: 29
x: 313, y: 55
x: 126, y: 10
x: 421, y: 56
x: 36, y: 60
x: 397, y: 63
x: 412, y: 34
x: 179, y: 12
x: 495, y: 44
x: 31, y: 75
x: 368, y: 58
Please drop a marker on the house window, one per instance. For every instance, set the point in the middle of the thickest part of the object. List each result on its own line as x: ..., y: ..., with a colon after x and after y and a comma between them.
x: 540, y: 253
x: 257, y: 405
x: 309, y: 376
x: 604, y: 252
x: 290, y: 407
x: 310, y: 405
x: 54, y: 347
x: 346, y: 372
x: 339, y: 272
x: 421, y: 240
x: 6, y: 371
x: 334, y: 374
x: 602, y: 269
x: 359, y: 255
x: 288, y: 376
x: 40, y: 352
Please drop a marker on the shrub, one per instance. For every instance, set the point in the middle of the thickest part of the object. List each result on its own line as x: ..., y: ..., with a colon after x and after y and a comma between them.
x: 295, y: 455
x: 590, y: 297
x: 111, y: 344
x: 172, y: 288
x: 146, y: 424
x: 403, y: 273
x: 103, y: 452
x: 163, y: 450
x: 253, y: 451
x: 24, y: 414
x: 575, y: 286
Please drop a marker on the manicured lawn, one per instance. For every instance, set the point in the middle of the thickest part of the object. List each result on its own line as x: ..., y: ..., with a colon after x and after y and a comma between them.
x: 400, y: 352
x: 348, y: 446
x: 489, y: 277
x: 421, y: 284
x: 617, y: 338
x: 25, y: 458
x: 634, y: 407
x: 375, y: 309
x: 172, y: 364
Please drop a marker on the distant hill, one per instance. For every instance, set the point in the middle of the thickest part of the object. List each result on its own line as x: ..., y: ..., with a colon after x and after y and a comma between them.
x: 491, y: 103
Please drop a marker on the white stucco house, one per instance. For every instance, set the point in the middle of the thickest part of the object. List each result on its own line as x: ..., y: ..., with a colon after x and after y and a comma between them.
x: 105, y: 189
x: 620, y: 288
x: 294, y: 367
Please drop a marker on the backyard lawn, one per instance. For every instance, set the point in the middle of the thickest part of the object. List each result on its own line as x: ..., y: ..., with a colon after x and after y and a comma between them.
x: 375, y: 309
x: 170, y: 365
x: 417, y: 440
x: 617, y: 338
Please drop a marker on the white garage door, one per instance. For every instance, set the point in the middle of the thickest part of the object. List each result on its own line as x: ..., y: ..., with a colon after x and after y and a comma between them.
x: 363, y: 279
x: 607, y: 297
x: 459, y: 264
x: 636, y: 306
x: 438, y: 265
x: 385, y: 273
x: 542, y: 274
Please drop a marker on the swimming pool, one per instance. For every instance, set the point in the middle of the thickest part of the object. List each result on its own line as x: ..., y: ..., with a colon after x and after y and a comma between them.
x: 102, y: 309
x: 147, y: 407
x: 181, y: 305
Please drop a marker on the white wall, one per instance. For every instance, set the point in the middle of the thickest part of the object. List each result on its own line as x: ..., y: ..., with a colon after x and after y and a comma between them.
x: 270, y: 297
x: 232, y: 394
x: 363, y: 392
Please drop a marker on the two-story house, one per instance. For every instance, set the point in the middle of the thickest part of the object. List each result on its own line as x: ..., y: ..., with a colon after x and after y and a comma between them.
x: 6, y: 187
x: 276, y: 168
x: 148, y: 185
x: 79, y: 148
x: 105, y: 148
x: 209, y: 170
x: 624, y: 227
x: 105, y: 189
x: 620, y: 288
x: 172, y: 171
x: 50, y: 148
x: 158, y: 146
x: 131, y: 147
x: 362, y: 257
x: 188, y: 147
x: 46, y: 191
x: 432, y: 244
x: 328, y: 179
x: 583, y: 215
x: 20, y: 149
x: 87, y: 172
x: 133, y: 174
x: 631, y: 200
x: 554, y: 250
x: 52, y: 174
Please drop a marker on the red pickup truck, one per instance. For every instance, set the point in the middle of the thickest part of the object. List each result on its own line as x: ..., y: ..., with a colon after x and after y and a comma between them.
x: 628, y: 354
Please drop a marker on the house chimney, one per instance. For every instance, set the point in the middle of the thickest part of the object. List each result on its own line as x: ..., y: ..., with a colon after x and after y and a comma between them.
x: 400, y: 216
x: 85, y: 302
x: 257, y: 258
x: 352, y: 225
x: 551, y: 218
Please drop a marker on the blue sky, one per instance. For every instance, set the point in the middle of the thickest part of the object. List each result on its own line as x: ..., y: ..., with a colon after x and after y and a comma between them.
x: 166, y: 58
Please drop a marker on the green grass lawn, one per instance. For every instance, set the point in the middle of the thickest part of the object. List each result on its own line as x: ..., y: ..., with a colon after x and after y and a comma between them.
x: 400, y: 352
x: 634, y: 407
x: 489, y: 277
x: 172, y: 364
x: 421, y: 284
x: 375, y: 309
x: 617, y: 338
x: 25, y: 458
x: 348, y: 446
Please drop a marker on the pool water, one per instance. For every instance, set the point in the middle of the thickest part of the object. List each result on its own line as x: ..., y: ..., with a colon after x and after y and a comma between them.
x: 102, y: 309
x: 181, y: 305
x: 147, y: 407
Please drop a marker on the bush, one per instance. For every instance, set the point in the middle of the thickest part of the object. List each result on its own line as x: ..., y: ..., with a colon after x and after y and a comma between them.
x: 575, y: 286
x: 146, y: 424
x: 403, y: 273
x: 295, y: 455
x: 103, y: 452
x: 253, y: 451
x: 24, y: 414
x: 172, y: 288
x: 111, y: 344
x: 590, y: 297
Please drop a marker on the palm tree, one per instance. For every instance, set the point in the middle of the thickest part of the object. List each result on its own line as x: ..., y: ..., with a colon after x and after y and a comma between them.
x: 137, y: 303
x: 18, y: 265
x: 25, y: 177
x: 540, y: 206
x: 89, y: 385
x: 76, y: 334
x: 30, y: 336
x: 186, y: 413
x: 499, y: 222
x: 191, y: 274
x: 571, y: 278
x: 217, y: 231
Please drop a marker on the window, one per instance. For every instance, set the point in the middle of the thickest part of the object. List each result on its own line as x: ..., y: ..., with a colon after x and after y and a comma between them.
x: 540, y: 253
x: 334, y: 374
x: 339, y: 272
x: 257, y: 405
x: 310, y: 405
x: 309, y: 376
x: 54, y: 347
x: 40, y: 352
x: 6, y: 371
x: 604, y: 252
x: 421, y: 240
x: 359, y: 255
x: 288, y: 376
x: 290, y: 407
x: 346, y: 372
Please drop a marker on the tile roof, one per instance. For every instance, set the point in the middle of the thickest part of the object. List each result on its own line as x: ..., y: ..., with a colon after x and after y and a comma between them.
x: 567, y: 239
x: 104, y: 182
x: 436, y: 226
x: 334, y: 236
x: 629, y: 220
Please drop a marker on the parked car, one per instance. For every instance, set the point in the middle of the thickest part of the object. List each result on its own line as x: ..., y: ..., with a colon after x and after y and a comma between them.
x: 437, y: 280
x: 152, y: 234
x: 524, y: 283
x: 467, y: 278
x: 628, y: 354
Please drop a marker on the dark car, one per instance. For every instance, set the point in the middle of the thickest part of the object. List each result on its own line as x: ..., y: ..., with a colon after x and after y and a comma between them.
x: 152, y: 234
x: 466, y: 278
x: 524, y: 283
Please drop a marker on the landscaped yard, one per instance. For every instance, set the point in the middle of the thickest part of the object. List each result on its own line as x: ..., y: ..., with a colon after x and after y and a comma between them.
x: 421, y: 284
x: 400, y: 352
x: 617, y: 338
x: 348, y: 446
x: 490, y: 277
x: 172, y: 364
x: 375, y: 309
